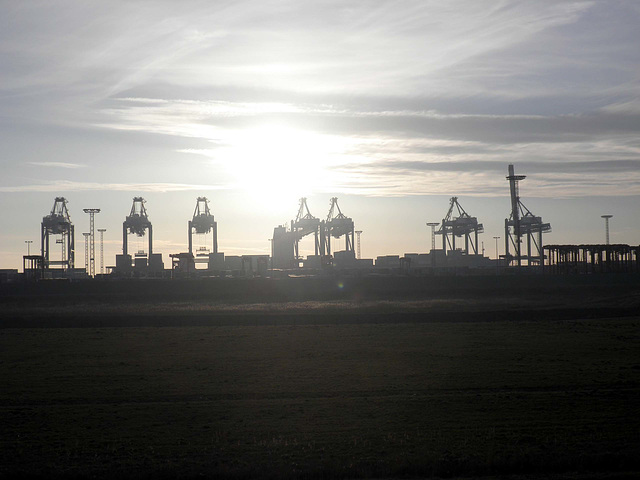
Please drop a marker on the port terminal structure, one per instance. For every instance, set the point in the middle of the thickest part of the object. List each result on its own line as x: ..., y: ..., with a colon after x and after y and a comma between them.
x: 524, y: 250
x: 590, y: 259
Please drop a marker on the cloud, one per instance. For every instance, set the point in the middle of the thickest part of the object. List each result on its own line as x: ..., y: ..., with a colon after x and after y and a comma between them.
x: 372, y: 46
x: 202, y: 119
x: 71, y: 186
x: 385, y: 149
x: 428, y: 94
x: 589, y: 167
x: 57, y: 164
x: 393, y: 182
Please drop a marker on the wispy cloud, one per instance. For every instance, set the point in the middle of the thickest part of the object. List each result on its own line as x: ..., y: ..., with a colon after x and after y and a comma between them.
x: 70, y: 186
x: 487, y: 178
x: 403, y: 152
x: 57, y: 164
x: 202, y: 119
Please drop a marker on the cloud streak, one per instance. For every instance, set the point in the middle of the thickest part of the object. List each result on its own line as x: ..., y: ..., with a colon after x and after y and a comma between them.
x: 57, y: 164
x: 71, y: 186
x: 387, y: 148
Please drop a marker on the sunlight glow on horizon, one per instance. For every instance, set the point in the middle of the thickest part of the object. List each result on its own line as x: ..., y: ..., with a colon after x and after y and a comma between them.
x: 279, y: 162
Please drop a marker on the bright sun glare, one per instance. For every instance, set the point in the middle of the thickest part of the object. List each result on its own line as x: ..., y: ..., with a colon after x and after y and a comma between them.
x: 280, y: 163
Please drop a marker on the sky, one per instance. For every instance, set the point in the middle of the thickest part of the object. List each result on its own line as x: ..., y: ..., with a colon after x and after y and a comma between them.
x: 391, y: 106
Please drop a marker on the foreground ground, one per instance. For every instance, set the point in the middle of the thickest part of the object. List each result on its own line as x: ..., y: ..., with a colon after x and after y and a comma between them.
x: 299, y: 390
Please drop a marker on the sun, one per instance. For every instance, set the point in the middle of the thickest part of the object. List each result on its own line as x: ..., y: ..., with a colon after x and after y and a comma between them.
x: 280, y: 163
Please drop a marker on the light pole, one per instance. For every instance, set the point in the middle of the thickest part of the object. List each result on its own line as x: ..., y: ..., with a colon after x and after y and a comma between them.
x: 28, y: 242
x: 102, y: 230
x: 606, y: 226
x: 497, y: 257
x: 86, y: 251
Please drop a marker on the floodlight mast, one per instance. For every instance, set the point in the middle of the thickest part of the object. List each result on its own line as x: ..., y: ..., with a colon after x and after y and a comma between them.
x: 102, y: 230
x: 86, y: 251
x: 203, y: 222
x: 433, y: 226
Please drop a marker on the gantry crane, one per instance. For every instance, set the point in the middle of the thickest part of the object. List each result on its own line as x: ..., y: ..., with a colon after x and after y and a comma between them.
x: 203, y: 222
x: 136, y: 223
x: 305, y: 224
x: 523, y: 223
x: 458, y: 223
x: 337, y: 225
x: 58, y: 222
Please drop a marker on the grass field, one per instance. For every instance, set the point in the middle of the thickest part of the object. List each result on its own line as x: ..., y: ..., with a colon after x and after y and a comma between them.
x: 322, y: 400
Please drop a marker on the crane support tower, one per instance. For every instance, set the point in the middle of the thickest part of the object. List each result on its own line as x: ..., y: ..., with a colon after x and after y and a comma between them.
x: 523, y: 223
x: 458, y: 223
x: 58, y: 222
x: 92, y: 240
x: 306, y: 224
x: 203, y: 222
x: 336, y: 226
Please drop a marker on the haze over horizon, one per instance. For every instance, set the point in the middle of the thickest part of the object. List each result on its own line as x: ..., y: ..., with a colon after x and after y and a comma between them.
x: 391, y: 106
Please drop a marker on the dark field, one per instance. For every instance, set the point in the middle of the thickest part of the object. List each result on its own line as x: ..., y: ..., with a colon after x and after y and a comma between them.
x: 434, y: 385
